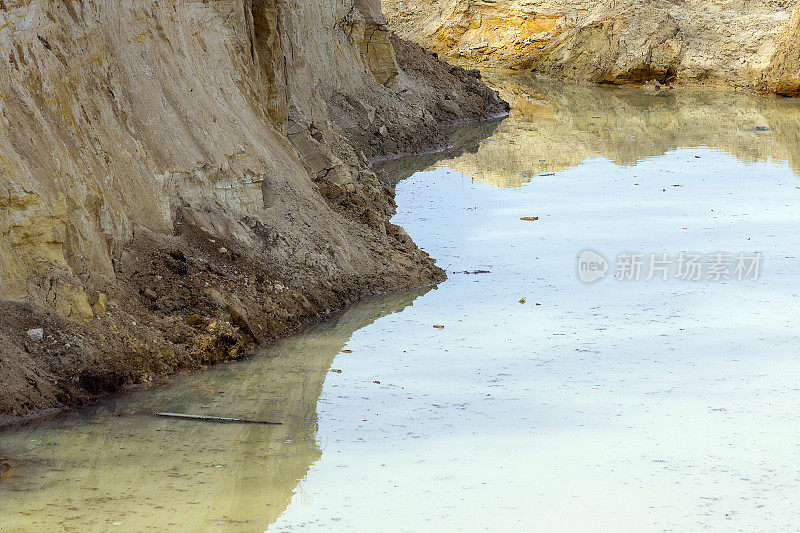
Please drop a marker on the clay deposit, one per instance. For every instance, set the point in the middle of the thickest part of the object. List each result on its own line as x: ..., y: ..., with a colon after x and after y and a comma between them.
x: 751, y: 44
x: 180, y: 181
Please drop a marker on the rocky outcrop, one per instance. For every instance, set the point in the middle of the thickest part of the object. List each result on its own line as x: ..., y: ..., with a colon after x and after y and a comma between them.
x: 744, y: 43
x: 783, y: 74
x: 509, y: 34
x: 618, y: 45
x: 182, y: 179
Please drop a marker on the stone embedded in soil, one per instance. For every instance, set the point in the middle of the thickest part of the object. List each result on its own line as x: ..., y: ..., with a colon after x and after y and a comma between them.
x: 36, y: 334
x: 448, y: 106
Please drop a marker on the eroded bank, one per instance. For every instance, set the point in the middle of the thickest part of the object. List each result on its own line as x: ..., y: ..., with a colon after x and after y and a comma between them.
x: 180, y: 181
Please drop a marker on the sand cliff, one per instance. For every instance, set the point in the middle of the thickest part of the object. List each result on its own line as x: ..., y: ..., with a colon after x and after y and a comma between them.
x: 182, y: 180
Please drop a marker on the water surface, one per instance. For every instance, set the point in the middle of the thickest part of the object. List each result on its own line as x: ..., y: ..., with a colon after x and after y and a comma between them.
x: 544, y: 403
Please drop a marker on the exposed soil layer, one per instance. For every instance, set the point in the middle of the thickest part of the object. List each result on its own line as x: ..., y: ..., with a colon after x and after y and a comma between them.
x: 198, y: 182
x: 749, y: 44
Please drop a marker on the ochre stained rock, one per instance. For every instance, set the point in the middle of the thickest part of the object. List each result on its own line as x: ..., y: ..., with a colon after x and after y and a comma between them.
x: 744, y: 43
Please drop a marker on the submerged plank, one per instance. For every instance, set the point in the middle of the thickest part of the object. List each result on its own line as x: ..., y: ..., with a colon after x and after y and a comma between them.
x: 216, y: 419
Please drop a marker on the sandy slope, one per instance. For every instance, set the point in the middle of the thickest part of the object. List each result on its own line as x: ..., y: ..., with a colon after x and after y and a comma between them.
x: 180, y: 180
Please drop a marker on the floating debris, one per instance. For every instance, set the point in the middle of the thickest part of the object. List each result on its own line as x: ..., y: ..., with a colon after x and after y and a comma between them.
x: 529, y: 219
x: 438, y: 326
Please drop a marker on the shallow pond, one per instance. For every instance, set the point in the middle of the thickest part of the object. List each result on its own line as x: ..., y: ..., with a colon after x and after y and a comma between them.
x: 544, y: 402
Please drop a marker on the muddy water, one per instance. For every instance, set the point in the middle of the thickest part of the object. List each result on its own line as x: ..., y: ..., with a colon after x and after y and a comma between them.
x: 544, y: 403
x: 118, y: 466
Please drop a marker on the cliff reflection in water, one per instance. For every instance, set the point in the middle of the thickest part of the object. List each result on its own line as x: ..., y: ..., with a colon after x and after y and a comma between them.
x: 555, y: 126
x: 116, y: 464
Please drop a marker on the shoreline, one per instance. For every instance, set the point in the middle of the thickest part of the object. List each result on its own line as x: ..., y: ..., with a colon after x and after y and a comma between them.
x: 7, y: 422
x: 347, y: 300
x: 674, y: 86
x: 446, y: 148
